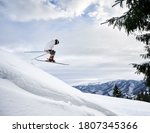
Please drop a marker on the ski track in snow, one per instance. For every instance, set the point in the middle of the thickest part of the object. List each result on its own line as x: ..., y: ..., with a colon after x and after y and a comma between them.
x: 99, y: 108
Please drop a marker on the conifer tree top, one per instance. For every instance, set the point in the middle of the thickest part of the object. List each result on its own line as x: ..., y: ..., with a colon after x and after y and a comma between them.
x: 137, y: 18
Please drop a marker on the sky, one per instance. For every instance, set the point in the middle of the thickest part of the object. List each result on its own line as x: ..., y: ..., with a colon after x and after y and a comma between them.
x: 95, y: 52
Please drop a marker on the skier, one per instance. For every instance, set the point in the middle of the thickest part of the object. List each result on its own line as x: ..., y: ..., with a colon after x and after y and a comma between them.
x: 49, y: 49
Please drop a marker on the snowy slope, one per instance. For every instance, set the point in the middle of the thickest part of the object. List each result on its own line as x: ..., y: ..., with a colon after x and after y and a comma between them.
x: 27, y: 90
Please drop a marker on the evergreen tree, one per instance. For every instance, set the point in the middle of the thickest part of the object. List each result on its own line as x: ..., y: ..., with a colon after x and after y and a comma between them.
x: 149, y: 91
x: 143, y: 96
x: 116, y: 92
x: 140, y: 96
x: 137, y: 18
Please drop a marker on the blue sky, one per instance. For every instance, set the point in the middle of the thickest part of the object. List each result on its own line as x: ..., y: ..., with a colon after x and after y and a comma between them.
x: 95, y: 52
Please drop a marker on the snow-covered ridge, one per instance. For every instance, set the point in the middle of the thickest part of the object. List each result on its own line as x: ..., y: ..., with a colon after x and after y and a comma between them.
x: 32, y: 79
x: 27, y: 90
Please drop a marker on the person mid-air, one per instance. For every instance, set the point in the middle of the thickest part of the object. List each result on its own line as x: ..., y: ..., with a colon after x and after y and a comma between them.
x: 49, y: 49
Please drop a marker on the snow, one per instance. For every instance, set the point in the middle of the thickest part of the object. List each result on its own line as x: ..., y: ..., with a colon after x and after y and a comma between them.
x: 28, y: 90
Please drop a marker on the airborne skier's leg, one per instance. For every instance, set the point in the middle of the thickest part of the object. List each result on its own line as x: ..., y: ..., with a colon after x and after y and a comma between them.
x: 51, y: 58
x: 52, y: 54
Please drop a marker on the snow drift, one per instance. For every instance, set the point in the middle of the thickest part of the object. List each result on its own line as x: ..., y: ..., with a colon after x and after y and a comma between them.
x: 27, y: 90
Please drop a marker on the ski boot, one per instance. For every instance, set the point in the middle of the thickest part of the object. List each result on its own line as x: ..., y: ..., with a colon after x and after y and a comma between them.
x: 51, y: 59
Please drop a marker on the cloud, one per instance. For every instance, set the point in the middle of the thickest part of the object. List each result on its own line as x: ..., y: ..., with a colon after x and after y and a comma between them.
x: 43, y: 9
x: 31, y: 10
x: 76, y: 7
x: 27, y: 10
x: 2, y: 4
x: 104, y: 10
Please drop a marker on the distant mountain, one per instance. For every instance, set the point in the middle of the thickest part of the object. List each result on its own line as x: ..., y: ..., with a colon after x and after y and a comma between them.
x: 129, y: 88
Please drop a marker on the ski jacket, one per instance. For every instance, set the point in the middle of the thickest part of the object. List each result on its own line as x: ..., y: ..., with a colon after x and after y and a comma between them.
x: 50, y: 45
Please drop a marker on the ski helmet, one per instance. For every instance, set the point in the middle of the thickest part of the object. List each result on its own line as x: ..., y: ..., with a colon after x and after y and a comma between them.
x: 56, y: 41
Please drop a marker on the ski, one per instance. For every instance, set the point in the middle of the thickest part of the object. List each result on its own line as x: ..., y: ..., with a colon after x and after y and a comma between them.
x: 51, y: 62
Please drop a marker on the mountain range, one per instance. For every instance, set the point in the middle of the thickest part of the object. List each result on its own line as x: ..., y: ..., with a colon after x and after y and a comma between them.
x: 129, y: 88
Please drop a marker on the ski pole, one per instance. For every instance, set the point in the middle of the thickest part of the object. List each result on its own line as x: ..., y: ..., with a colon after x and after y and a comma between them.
x: 39, y: 56
x: 33, y: 51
